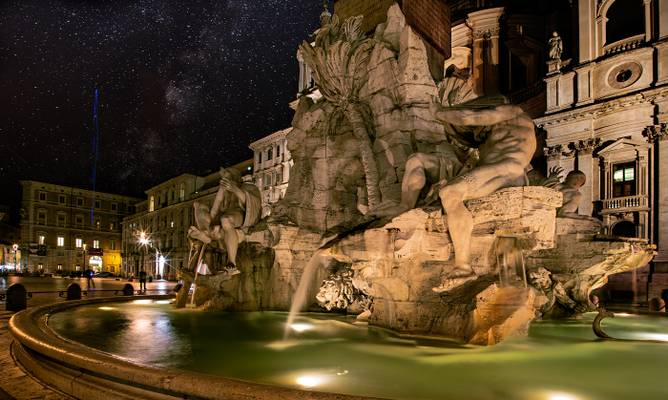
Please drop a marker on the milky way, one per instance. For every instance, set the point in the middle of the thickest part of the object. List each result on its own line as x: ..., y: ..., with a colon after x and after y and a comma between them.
x: 185, y: 85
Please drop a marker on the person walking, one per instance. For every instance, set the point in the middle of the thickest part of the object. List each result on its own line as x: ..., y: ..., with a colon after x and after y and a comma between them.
x: 142, y: 281
x: 90, y: 283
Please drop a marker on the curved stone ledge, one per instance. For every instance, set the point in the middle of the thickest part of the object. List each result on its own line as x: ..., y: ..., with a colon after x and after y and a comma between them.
x: 87, y: 373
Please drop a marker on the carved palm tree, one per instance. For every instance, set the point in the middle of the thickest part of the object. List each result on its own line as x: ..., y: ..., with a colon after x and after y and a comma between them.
x: 340, y: 69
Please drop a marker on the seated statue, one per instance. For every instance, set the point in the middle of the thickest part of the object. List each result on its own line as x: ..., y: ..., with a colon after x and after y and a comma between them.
x: 570, y: 189
x: 505, y: 139
x: 236, y: 205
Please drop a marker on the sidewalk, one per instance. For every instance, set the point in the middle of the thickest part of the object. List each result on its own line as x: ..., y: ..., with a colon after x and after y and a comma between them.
x: 14, y: 382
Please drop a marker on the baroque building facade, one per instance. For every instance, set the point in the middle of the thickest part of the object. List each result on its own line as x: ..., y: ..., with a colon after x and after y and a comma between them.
x: 155, y: 237
x: 68, y: 229
x: 607, y: 115
x: 271, y: 168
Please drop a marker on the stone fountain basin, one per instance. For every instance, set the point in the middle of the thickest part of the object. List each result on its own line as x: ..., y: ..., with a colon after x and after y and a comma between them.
x: 87, y: 373
x: 549, y: 363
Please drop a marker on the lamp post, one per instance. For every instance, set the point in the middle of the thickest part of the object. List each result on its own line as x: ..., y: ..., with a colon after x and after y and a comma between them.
x: 84, y: 257
x: 144, y: 241
x: 15, y: 249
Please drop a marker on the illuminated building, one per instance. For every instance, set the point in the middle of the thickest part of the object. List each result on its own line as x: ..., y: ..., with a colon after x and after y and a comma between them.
x: 66, y: 229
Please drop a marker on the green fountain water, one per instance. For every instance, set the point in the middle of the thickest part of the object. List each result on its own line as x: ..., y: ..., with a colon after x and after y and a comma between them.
x: 558, y: 361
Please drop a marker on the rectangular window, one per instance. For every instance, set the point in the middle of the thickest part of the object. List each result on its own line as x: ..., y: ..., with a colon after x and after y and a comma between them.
x: 259, y: 158
x: 182, y: 192
x: 98, y: 204
x: 151, y: 204
x: 96, y: 244
x: 80, y: 202
x: 61, y: 241
x: 40, y: 265
x: 61, y: 199
x: 60, y: 221
x: 60, y: 267
x: 624, y: 180
x: 79, y: 220
x: 114, y: 206
x: 41, y: 239
x: 78, y: 242
x: 41, y: 217
x: 112, y: 244
x: 42, y: 196
x: 112, y: 226
x: 269, y: 154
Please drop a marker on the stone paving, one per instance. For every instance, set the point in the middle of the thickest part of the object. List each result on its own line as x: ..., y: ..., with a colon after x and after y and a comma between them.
x: 15, y: 383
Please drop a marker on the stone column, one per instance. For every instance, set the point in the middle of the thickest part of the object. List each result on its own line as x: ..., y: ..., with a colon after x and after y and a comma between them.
x: 658, y: 136
x: 586, y: 164
x: 485, y: 32
x: 586, y: 36
x: 662, y: 18
x: 584, y: 83
x: 648, y: 19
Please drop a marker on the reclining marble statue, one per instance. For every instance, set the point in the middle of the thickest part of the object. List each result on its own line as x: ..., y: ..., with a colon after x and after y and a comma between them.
x: 236, y: 205
x: 505, y: 141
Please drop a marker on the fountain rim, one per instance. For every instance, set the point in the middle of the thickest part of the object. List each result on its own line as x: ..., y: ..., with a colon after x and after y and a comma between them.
x: 84, y: 372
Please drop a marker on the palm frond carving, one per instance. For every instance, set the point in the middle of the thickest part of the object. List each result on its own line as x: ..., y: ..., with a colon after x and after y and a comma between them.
x: 340, y: 70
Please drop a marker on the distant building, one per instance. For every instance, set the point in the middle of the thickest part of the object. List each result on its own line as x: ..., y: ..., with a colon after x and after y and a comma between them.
x: 271, y: 171
x: 10, y: 238
x: 69, y: 229
x: 155, y: 237
x: 607, y: 116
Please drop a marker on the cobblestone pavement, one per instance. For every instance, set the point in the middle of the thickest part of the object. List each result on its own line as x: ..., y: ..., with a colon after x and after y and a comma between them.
x: 15, y: 383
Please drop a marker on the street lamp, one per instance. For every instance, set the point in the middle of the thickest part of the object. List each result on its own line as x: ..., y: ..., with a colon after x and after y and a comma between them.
x: 144, y: 241
x: 15, y: 248
x: 84, y: 256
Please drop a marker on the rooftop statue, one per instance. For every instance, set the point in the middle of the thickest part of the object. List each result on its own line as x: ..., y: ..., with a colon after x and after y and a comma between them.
x: 236, y: 205
x: 556, y: 47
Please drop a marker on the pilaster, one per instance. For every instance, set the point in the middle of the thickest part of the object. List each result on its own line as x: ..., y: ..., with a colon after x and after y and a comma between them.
x: 485, y: 34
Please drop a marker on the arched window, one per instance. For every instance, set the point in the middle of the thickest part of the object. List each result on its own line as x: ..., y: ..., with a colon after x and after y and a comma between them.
x: 625, y: 18
x: 624, y: 229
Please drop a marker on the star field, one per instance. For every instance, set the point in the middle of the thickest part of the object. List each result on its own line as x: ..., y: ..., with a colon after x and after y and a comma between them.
x: 185, y: 86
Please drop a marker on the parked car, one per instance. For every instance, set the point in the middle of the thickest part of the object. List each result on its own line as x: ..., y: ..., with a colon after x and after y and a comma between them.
x: 104, y: 274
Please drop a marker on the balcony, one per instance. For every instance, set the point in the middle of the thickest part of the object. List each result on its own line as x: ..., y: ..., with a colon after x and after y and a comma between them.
x: 625, y: 204
x: 625, y: 44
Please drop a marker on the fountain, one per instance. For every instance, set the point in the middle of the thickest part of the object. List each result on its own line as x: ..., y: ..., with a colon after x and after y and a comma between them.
x: 410, y: 208
x: 386, y: 158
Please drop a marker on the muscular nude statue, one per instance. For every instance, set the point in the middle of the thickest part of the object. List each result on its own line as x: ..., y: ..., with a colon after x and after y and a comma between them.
x: 236, y: 205
x: 505, y: 138
x: 570, y: 189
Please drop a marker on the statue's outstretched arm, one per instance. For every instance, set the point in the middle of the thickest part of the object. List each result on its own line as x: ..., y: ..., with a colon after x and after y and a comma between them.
x: 478, y: 117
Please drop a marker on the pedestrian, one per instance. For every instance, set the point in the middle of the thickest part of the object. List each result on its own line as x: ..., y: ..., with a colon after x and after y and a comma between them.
x: 89, y: 279
x: 142, y: 281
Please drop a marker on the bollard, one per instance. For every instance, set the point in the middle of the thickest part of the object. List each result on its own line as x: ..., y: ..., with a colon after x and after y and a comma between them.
x: 128, y: 290
x: 178, y: 287
x: 73, y: 291
x: 16, y: 298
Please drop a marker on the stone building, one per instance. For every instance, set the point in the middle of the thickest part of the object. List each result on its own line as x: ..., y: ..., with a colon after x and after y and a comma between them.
x: 70, y: 229
x: 155, y: 236
x: 271, y: 171
x: 607, y: 116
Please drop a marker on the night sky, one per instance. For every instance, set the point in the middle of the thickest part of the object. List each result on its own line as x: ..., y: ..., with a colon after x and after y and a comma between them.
x: 184, y: 86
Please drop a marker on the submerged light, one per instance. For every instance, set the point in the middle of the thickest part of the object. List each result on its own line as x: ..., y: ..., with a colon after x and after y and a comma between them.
x: 301, y: 327
x: 310, y: 381
x: 143, y: 301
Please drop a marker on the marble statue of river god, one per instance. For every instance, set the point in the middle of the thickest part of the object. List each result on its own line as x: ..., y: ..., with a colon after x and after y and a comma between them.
x: 439, y: 227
